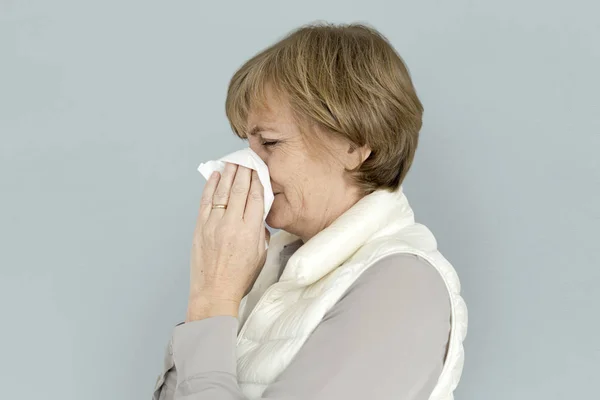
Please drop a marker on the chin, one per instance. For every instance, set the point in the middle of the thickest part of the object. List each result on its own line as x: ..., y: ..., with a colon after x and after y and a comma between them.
x: 275, y: 219
x: 272, y: 220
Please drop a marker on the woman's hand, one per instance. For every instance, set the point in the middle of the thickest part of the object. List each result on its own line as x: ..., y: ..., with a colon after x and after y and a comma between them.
x: 228, y: 250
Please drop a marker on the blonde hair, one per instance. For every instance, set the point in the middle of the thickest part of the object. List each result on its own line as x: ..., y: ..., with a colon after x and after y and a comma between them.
x: 347, y: 80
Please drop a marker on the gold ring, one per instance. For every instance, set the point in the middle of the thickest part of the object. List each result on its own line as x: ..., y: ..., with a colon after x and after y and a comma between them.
x: 223, y: 206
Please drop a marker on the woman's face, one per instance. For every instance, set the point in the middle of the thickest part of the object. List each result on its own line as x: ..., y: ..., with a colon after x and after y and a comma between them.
x: 311, y: 191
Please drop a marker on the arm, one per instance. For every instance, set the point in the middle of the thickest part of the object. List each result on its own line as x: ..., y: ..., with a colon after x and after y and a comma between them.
x: 385, y: 338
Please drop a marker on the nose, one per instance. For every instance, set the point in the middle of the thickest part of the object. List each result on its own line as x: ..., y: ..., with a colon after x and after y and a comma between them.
x: 262, y: 153
x: 258, y: 149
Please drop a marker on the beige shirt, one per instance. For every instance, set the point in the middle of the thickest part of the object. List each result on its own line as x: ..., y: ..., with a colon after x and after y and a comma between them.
x: 386, y: 338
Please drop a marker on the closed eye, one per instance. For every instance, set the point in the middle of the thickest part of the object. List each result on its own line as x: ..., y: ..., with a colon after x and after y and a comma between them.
x: 270, y: 143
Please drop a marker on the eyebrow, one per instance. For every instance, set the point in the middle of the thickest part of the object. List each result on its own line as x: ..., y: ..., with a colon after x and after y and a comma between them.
x: 257, y: 129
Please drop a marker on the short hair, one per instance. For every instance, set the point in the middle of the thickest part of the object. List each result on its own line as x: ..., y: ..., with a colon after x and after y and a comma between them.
x: 348, y: 80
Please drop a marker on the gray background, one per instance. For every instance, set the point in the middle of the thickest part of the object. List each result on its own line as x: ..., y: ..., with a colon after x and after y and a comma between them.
x: 108, y: 107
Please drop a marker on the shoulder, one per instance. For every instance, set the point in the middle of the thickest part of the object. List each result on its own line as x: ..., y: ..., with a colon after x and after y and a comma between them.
x: 398, y: 283
x: 392, y: 323
x: 390, y: 328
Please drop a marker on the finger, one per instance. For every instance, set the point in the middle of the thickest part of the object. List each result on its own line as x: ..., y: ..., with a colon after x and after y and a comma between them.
x: 262, y: 238
x: 239, y: 193
x: 207, y: 196
x: 221, y: 194
x: 255, y: 204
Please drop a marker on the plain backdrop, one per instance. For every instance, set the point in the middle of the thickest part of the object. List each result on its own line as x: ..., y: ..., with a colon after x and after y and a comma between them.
x: 108, y: 107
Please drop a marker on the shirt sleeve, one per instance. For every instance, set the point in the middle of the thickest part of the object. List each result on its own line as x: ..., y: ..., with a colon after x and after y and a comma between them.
x: 385, y: 338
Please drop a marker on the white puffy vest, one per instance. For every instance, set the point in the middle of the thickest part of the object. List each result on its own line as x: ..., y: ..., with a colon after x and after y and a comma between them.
x: 278, y: 315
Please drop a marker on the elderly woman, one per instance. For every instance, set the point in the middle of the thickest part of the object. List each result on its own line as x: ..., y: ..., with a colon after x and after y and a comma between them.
x: 352, y: 299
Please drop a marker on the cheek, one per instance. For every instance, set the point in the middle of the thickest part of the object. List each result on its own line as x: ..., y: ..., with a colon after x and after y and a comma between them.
x: 290, y: 201
x: 297, y: 178
x: 283, y: 173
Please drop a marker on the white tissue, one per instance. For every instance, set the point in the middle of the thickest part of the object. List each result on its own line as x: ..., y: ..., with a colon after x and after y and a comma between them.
x: 249, y: 159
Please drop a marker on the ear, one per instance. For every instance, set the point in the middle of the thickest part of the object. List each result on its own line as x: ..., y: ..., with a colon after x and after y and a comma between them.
x: 361, y: 154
